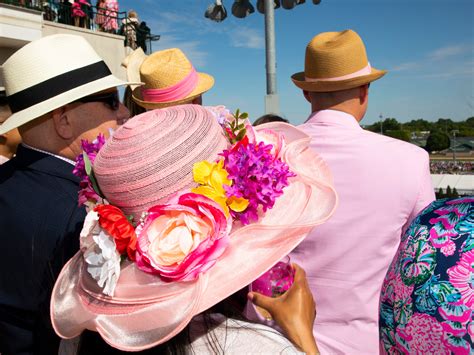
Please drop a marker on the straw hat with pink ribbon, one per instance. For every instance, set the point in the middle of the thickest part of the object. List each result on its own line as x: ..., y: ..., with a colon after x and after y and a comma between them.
x: 170, y: 79
x: 336, y: 61
x: 213, y: 204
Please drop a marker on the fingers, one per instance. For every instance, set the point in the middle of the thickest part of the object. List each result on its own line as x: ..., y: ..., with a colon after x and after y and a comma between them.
x: 300, y: 274
x: 261, y: 300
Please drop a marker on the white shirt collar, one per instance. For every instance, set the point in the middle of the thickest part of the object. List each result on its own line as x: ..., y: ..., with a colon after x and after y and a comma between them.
x: 49, y: 153
x: 3, y: 159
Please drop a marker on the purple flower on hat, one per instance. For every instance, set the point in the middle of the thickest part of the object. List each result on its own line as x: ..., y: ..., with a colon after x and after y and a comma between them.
x: 257, y: 176
x: 91, y: 149
x: 87, y: 193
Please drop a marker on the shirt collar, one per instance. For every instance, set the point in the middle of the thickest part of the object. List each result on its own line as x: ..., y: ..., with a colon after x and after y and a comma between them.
x: 333, y: 117
x: 49, y: 153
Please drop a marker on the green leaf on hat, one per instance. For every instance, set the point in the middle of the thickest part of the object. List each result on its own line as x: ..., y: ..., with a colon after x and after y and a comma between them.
x: 87, y: 163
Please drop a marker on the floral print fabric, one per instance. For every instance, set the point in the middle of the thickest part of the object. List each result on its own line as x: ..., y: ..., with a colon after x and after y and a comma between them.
x: 427, y: 299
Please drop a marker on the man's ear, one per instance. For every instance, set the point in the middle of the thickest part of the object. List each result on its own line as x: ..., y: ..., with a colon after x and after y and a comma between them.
x: 307, y: 96
x: 363, y: 93
x: 3, y: 138
x: 62, y: 123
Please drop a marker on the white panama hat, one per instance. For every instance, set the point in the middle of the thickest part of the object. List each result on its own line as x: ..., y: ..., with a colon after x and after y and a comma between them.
x: 52, y: 72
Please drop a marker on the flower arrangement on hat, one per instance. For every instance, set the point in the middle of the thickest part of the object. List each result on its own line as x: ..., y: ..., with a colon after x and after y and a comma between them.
x: 223, y: 203
x: 186, y: 236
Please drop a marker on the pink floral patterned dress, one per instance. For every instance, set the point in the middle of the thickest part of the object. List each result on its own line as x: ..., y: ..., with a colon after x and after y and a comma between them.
x: 427, y: 299
x: 110, y: 23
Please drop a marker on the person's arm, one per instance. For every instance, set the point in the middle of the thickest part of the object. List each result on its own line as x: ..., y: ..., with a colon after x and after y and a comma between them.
x: 426, y: 193
x: 294, y: 311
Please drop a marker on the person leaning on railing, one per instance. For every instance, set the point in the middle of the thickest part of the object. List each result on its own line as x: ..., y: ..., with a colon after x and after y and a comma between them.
x: 100, y: 18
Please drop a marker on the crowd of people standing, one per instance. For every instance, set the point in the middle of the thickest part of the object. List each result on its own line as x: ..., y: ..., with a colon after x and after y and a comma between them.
x: 102, y: 16
x: 451, y: 167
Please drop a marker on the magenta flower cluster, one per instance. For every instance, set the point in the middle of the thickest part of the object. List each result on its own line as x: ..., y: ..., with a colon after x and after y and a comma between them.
x: 87, y: 192
x: 91, y: 149
x: 257, y: 175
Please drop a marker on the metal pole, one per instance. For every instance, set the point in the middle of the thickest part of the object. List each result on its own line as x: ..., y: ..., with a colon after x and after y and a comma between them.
x: 381, y: 124
x: 271, y: 100
x: 454, y: 146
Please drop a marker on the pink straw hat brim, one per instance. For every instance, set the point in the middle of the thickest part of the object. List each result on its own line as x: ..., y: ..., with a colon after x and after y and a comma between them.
x: 150, y: 311
x: 205, y: 83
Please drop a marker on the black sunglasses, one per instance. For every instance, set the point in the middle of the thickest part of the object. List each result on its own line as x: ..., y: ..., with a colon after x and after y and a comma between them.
x: 111, y: 99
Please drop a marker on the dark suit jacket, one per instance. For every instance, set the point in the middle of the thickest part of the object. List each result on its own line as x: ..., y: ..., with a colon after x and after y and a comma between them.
x: 40, y: 223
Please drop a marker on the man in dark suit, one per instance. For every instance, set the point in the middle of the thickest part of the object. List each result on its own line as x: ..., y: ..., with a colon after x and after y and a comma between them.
x: 60, y: 92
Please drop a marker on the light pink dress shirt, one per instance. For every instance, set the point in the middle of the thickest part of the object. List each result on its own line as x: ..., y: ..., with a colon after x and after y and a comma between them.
x: 382, y: 184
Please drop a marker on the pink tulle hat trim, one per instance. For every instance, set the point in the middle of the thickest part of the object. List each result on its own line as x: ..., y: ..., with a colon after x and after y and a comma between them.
x: 146, y: 311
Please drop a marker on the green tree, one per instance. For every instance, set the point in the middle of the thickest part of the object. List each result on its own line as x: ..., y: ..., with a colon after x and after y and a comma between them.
x: 399, y: 134
x: 437, y: 141
x: 470, y: 122
x: 445, y: 124
x: 455, y: 193
x: 418, y: 125
x: 448, y: 191
x: 391, y: 124
x: 440, y: 194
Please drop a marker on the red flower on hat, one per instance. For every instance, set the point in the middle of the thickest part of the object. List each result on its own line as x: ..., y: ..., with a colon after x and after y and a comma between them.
x: 119, y: 227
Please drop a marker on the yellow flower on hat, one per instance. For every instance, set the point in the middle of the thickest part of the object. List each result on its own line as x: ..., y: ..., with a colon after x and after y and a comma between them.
x: 212, y: 177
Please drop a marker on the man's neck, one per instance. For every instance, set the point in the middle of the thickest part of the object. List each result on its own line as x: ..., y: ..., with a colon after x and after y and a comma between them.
x: 340, y: 109
x: 7, y: 153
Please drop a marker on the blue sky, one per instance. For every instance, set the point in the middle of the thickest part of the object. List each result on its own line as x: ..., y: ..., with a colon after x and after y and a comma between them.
x: 426, y: 45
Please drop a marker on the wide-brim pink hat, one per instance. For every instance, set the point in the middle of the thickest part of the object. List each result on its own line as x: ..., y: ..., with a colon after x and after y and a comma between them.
x: 146, y: 311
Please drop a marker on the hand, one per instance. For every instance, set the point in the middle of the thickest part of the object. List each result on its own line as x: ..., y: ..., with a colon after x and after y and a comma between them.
x: 294, y: 311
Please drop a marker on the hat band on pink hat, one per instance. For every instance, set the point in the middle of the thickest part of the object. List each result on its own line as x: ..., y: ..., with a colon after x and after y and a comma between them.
x: 364, y: 71
x: 175, y: 92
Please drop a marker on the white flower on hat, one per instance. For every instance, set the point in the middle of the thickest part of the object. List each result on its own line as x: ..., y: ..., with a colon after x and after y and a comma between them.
x: 100, y: 254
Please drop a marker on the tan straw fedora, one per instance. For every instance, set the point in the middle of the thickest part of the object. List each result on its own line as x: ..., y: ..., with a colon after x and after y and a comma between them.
x: 170, y: 79
x: 336, y: 61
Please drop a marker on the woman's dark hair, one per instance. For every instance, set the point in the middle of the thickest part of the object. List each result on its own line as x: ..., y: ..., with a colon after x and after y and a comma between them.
x: 269, y: 118
x: 132, y: 106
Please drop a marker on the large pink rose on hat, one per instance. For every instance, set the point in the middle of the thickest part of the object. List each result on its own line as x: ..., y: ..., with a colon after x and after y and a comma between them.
x: 179, y: 241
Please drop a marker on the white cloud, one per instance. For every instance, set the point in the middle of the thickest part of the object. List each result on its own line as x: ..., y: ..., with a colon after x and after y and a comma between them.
x: 192, y: 49
x: 405, y: 66
x: 449, y: 51
x: 465, y: 69
x: 247, y: 38
x: 444, y: 62
x: 184, y: 24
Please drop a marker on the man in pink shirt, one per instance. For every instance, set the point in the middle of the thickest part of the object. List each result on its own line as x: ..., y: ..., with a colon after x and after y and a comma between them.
x: 382, y: 184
